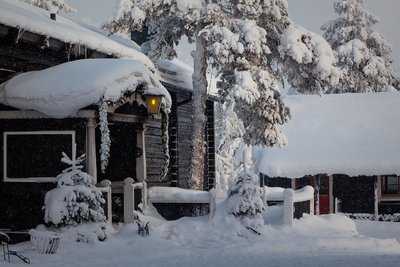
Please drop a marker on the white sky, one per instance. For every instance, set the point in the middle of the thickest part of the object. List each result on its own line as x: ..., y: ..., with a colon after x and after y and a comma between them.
x: 310, y: 14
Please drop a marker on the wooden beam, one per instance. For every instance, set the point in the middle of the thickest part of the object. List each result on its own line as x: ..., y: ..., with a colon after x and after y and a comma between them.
x: 31, y: 114
x: 91, y: 148
x: 376, y: 196
x: 126, y: 118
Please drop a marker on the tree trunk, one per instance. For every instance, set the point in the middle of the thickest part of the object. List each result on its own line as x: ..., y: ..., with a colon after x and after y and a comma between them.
x: 199, y: 120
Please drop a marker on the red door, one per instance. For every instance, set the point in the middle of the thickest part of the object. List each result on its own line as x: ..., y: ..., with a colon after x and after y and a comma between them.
x: 323, y: 204
x: 323, y: 194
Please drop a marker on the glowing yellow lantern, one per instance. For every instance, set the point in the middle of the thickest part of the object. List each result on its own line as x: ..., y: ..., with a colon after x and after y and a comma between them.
x: 153, y: 103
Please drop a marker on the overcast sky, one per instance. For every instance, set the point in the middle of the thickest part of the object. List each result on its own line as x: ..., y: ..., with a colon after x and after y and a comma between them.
x: 310, y: 14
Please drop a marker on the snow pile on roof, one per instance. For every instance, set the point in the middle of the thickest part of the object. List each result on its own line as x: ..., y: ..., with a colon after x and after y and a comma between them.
x: 158, y: 194
x: 62, y: 90
x: 24, y: 16
x: 353, y: 134
x: 176, y: 73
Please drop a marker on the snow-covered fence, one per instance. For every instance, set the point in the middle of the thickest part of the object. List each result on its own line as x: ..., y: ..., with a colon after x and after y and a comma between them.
x: 129, y: 198
x: 45, y: 242
x: 105, y: 188
x: 174, y: 195
x: 372, y: 217
x: 289, y: 197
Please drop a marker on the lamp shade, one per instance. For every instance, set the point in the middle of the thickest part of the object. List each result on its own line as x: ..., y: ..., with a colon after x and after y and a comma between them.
x: 153, y: 103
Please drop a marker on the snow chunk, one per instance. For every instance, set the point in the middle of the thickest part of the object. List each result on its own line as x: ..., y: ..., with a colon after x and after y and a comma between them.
x: 306, y: 47
x: 63, y: 90
x: 353, y: 134
x: 158, y: 194
x: 29, y: 18
x: 176, y: 73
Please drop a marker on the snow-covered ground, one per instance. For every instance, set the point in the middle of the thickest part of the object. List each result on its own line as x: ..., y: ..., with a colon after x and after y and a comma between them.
x: 331, y: 240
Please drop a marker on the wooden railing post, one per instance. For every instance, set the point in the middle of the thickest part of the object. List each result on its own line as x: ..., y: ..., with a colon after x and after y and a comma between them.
x: 129, y: 200
x: 105, y: 186
x: 288, y: 206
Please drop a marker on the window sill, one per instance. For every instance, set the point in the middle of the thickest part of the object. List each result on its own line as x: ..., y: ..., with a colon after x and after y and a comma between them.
x: 392, y: 197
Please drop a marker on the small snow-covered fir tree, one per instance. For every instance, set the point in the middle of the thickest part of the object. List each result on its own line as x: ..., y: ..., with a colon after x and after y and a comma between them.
x: 245, y: 199
x: 75, y: 200
x: 363, y: 54
x: 52, y: 5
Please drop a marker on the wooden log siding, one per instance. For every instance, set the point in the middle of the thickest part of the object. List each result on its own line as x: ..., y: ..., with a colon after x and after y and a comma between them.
x: 185, y: 131
x: 209, y: 174
x: 22, y: 51
x: 173, y: 172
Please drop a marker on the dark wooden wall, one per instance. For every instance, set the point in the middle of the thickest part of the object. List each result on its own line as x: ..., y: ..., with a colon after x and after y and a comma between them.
x: 21, y: 203
x: 355, y: 193
x: 209, y: 174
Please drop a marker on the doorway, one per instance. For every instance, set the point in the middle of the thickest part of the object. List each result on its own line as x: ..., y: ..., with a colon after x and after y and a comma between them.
x: 121, y: 164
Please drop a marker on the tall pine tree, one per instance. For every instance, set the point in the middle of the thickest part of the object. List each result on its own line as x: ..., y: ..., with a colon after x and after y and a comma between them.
x: 241, y: 40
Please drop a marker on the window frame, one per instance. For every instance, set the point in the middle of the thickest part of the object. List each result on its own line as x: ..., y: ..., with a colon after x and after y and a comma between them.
x: 385, y: 186
x: 30, y: 179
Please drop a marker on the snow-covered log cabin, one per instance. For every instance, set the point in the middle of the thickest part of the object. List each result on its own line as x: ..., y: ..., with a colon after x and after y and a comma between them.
x: 347, y: 146
x: 54, y: 73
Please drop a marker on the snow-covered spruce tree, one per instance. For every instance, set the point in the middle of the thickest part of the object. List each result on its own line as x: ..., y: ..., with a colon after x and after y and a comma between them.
x: 52, y: 5
x: 75, y: 200
x: 241, y: 40
x: 363, y: 54
x: 245, y: 199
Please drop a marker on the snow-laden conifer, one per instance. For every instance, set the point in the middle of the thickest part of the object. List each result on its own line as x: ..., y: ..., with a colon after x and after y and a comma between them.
x: 240, y: 40
x: 364, y: 56
x: 75, y: 200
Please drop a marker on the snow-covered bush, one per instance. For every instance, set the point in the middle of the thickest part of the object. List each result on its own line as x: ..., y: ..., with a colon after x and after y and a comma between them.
x: 245, y: 200
x: 75, y: 200
x: 364, y: 56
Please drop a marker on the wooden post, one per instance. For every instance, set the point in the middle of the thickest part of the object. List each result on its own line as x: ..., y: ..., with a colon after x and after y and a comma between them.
x: 317, y: 187
x: 376, y: 197
x: 141, y: 173
x: 105, y: 186
x: 293, y: 183
x: 129, y: 200
x: 288, y: 206
x: 91, y: 148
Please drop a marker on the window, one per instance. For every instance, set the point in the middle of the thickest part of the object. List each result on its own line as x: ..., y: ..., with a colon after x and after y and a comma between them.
x: 35, y: 156
x: 391, y: 184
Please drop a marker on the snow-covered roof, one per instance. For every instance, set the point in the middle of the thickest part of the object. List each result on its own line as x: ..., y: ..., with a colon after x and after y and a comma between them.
x: 176, y: 73
x: 353, y: 134
x: 24, y: 16
x: 63, y: 90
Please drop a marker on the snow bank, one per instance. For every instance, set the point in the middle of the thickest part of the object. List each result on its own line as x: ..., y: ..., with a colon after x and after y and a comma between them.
x: 158, y: 194
x: 24, y: 16
x: 353, y: 134
x: 62, y: 90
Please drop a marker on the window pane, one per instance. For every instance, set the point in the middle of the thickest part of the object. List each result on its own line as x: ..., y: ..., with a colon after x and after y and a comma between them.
x: 392, y: 185
x: 36, y: 155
